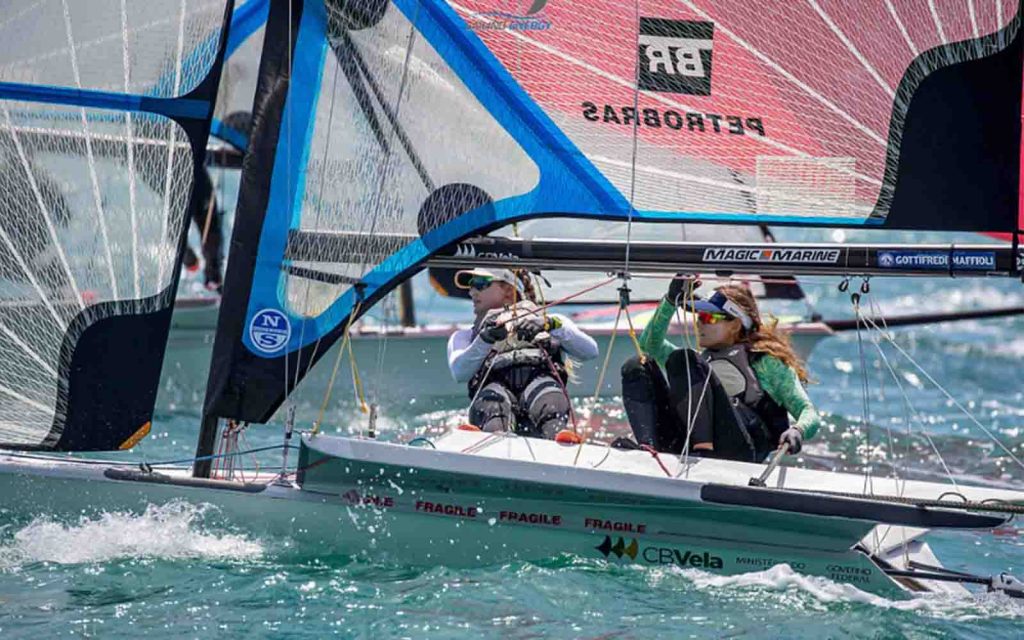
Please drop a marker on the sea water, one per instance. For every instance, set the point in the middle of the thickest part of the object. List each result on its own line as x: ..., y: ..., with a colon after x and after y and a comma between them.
x: 185, y: 570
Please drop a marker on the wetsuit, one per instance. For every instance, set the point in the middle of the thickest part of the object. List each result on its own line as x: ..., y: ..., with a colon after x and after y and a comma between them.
x: 518, y: 389
x: 738, y: 400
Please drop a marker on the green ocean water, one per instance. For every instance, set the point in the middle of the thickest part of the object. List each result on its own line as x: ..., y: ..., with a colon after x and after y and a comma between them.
x: 185, y: 570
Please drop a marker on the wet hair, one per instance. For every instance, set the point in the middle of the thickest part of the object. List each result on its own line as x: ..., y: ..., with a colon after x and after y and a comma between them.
x: 529, y: 290
x: 764, y: 338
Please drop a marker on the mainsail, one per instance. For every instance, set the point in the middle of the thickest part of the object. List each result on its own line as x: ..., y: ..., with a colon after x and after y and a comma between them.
x: 104, y: 113
x: 408, y: 125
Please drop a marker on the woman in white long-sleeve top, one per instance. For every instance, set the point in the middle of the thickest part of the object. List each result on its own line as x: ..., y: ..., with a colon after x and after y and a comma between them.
x: 514, y: 359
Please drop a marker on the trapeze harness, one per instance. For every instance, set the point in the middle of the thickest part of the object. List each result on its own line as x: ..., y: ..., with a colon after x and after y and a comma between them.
x: 761, y: 418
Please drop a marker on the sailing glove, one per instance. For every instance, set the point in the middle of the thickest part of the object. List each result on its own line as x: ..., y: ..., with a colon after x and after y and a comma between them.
x: 682, y: 288
x: 794, y: 438
x: 493, y: 332
x: 528, y: 327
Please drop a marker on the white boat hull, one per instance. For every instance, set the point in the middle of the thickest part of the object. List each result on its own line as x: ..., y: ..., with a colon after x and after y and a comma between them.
x: 481, y: 500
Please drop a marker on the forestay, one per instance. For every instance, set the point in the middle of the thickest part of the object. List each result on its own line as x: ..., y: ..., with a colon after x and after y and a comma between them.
x: 104, y: 114
x: 444, y: 119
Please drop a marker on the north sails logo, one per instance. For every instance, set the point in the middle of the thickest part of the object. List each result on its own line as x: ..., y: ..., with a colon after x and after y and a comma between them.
x: 269, y: 330
x: 675, y: 56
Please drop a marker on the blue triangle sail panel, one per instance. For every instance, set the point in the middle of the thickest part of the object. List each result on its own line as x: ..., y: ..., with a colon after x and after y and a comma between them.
x: 406, y: 125
x: 105, y: 110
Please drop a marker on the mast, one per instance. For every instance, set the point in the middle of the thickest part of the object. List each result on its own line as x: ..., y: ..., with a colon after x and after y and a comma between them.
x: 406, y: 304
x: 278, y: 45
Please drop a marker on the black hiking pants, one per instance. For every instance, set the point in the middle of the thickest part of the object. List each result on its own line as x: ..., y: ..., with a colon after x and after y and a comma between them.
x: 657, y: 408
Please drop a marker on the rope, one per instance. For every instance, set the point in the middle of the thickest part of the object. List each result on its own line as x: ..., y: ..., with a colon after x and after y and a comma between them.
x: 632, y: 336
x: 623, y: 308
x: 692, y: 420
x: 334, y: 372
x: 649, y: 449
x: 357, y: 383
x: 600, y: 383
x: 897, y: 473
x: 412, y: 443
x: 917, y: 415
x: 561, y: 385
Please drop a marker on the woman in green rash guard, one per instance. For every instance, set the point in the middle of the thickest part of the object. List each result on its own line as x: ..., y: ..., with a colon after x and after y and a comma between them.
x: 739, y: 391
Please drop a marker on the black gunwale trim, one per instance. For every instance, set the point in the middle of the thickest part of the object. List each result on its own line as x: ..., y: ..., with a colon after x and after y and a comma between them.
x: 856, y: 509
x: 134, y: 475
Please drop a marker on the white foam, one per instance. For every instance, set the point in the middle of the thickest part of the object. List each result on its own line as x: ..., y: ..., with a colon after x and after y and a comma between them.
x: 168, y: 531
x: 781, y: 578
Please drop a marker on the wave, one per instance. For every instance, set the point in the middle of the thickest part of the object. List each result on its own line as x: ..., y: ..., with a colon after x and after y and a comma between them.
x: 169, y: 531
x: 781, y: 579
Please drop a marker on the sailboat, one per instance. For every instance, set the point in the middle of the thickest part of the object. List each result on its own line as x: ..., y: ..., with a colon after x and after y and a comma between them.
x: 402, y: 338
x: 388, y: 135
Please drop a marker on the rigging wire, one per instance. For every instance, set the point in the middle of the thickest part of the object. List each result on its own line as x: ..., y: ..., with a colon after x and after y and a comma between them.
x: 316, y: 225
x: 897, y: 467
x: 636, y: 137
x: 949, y: 396
x: 865, y: 394
x: 334, y: 372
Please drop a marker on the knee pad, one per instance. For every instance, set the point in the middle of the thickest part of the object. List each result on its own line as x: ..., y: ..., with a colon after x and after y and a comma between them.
x: 492, y: 409
x: 546, y: 404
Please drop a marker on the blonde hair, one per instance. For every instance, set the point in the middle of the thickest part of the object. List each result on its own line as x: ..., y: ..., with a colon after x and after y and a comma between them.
x: 764, y: 338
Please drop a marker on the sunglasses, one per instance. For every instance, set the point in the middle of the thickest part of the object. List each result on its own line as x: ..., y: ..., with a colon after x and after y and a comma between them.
x: 479, y: 283
x: 709, y: 317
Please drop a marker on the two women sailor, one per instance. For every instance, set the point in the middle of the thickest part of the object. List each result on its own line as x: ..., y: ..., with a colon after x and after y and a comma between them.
x: 515, y: 357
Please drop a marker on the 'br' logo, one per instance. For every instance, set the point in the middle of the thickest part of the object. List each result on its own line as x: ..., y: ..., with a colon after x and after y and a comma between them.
x: 269, y: 330
x: 675, y: 56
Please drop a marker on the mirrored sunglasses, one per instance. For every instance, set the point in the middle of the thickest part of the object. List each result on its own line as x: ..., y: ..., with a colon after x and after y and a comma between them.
x: 479, y: 283
x: 709, y: 317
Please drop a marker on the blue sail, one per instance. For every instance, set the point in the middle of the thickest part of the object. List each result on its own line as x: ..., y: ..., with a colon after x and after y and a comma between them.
x: 105, y: 111
x: 396, y: 128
